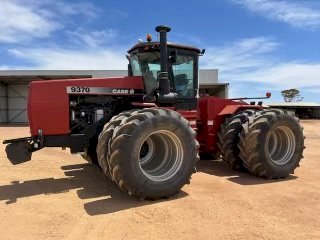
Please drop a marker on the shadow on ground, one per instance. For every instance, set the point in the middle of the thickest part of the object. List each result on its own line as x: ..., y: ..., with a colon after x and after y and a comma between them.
x: 220, y: 169
x: 89, y: 182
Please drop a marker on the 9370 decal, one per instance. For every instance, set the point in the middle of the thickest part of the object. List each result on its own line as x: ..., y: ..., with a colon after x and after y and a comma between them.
x: 79, y: 89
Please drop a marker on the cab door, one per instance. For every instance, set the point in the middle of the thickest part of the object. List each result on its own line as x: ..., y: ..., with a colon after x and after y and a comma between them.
x: 183, y: 75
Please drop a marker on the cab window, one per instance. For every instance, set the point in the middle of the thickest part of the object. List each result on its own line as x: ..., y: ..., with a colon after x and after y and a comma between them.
x: 183, y: 72
x: 135, y: 66
x: 147, y: 65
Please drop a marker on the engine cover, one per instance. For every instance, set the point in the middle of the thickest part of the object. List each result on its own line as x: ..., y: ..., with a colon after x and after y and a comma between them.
x: 48, y: 102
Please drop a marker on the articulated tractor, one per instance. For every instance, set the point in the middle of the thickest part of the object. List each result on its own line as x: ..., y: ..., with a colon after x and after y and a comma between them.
x: 147, y: 130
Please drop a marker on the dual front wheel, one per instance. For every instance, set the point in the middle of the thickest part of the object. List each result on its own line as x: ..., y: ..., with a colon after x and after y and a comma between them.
x: 149, y: 153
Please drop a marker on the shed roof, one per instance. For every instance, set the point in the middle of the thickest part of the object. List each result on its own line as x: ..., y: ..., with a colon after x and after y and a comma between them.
x: 294, y: 104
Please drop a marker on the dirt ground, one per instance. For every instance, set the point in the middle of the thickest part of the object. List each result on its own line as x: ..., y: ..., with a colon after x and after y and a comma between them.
x: 60, y: 196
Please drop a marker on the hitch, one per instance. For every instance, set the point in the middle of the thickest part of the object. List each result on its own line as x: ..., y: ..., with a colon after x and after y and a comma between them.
x: 19, y: 151
x: 17, y: 140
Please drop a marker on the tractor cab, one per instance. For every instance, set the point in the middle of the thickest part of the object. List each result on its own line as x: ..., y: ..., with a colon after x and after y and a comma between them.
x: 181, y: 67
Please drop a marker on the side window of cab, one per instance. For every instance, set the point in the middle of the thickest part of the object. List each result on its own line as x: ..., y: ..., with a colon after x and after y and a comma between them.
x: 183, y: 71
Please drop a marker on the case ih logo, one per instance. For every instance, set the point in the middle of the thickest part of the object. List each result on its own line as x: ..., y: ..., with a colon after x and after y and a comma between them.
x: 123, y: 91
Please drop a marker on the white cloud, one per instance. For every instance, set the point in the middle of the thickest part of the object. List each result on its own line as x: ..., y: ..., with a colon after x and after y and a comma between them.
x: 93, y: 38
x: 252, y: 60
x: 71, y: 59
x: 295, y: 13
x: 19, y: 22
x: 240, y: 56
x: 23, y: 20
x: 288, y: 75
x: 69, y: 8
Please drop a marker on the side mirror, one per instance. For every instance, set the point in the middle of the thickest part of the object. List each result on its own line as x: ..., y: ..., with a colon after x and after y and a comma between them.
x: 173, y: 56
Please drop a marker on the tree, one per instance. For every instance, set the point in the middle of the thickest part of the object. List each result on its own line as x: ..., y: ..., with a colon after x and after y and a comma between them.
x: 291, y: 95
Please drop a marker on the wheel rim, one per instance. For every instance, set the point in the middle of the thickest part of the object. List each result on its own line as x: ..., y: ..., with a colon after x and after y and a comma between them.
x: 147, y: 151
x: 161, y: 155
x: 281, y: 144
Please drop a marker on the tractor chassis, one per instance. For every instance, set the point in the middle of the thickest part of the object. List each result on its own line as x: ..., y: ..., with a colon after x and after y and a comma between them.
x: 21, y: 149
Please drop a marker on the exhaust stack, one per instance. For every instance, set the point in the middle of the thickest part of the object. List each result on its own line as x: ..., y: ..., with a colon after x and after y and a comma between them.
x: 164, y: 83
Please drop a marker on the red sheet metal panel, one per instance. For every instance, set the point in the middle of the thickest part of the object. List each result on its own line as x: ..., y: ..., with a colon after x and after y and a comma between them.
x: 231, y: 109
x: 212, y: 112
x: 48, y: 103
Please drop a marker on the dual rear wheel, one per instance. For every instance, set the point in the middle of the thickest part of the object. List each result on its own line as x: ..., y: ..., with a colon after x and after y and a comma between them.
x: 267, y: 143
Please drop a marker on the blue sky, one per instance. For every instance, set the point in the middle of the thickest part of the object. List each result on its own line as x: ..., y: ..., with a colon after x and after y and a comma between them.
x: 257, y: 45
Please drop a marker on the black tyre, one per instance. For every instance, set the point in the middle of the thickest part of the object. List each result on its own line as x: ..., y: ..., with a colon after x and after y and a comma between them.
x: 229, y: 139
x: 90, y: 153
x: 102, y: 148
x: 272, y: 146
x: 153, y: 153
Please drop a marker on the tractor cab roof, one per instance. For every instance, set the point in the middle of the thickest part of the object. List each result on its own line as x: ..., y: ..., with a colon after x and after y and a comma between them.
x: 153, y: 46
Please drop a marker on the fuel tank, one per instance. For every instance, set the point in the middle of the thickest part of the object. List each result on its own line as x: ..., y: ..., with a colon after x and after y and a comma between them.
x: 48, y: 101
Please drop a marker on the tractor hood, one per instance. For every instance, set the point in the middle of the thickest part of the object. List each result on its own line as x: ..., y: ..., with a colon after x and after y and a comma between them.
x: 48, y: 102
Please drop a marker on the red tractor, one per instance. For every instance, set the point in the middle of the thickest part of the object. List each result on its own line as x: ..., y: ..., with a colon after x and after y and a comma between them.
x: 145, y: 131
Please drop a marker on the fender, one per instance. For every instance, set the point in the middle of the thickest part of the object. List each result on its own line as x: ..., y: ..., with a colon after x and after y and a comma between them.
x: 232, y: 109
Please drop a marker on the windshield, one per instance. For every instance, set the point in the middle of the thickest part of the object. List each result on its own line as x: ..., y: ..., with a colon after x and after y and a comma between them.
x: 144, y: 62
x: 146, y: 65
x: 181, y: 72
